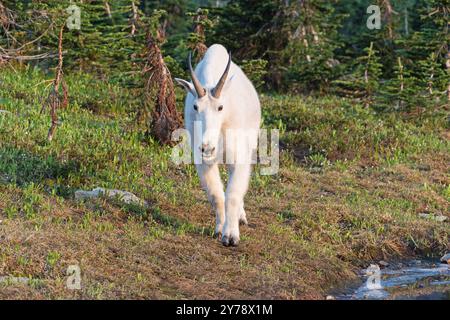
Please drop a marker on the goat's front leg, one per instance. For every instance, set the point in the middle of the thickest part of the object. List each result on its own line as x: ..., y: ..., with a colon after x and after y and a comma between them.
x: 239, y: 176
x: 211, y: 182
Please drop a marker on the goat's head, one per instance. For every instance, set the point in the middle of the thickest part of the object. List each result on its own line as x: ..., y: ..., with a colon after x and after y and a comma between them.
x: 209, y: 109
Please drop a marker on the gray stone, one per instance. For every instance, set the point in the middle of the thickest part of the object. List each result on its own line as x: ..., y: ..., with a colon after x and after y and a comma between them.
x: 438, y: 218
x: 372, y: 269
x: 424, y: 167
x: 383, y: 263
x: 13, y: 280
x: 124, y: 196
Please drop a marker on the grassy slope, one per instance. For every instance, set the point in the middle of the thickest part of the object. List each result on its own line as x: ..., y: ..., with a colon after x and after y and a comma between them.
x: 349, y: 191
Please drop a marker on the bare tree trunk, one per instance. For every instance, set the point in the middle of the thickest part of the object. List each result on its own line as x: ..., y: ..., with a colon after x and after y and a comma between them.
x: 199, y: 29
x: 366, y: 71
x: 315, y: 35
x: 431, y: 77
x: 366, y: 76
x: 134, y: 18
x: 306, y: 30
x: 108, y: 10
x: 305, y: 42
x: 386, y: 4
x: 400, y: 67
x: 402, y: 82
x: 406, y: 22
x: 448, y: 72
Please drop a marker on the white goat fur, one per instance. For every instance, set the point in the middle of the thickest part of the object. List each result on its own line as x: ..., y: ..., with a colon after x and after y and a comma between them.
x: 241, y: 111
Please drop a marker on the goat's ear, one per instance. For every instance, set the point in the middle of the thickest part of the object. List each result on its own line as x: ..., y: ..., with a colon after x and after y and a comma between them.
x: 189, y: 87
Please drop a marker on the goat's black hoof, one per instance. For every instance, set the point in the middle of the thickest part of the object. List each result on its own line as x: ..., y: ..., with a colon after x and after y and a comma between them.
x: 230, y: 241
x: 243, y: 221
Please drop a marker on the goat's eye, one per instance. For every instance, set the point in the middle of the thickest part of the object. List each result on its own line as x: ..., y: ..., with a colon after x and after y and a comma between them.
x: 195, y: 107
x: 220, y: 108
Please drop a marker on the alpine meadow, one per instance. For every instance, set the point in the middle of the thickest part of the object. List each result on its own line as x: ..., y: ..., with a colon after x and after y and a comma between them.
x: 123, y: 123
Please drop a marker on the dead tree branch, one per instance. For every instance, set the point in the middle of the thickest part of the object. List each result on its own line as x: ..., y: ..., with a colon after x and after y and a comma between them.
x: 55, y: 100
x: 159, y: 91
x: 7, y: 20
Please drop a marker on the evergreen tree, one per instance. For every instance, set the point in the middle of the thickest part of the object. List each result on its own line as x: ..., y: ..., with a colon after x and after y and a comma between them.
x: 196, y: 39
x: 364, y: 80
x: 309, y: 54
x: 123, y: 32
x: 294, y: 45
x: 433, y: 40
x: 176, y: 25
x: 400, y: 92
x: 255, y: 69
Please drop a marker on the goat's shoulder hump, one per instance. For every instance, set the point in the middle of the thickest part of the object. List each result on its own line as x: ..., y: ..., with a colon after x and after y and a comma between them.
x: 216, y: 50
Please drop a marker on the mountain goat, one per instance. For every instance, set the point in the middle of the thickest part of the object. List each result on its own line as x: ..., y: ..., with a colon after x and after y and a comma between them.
x: 222, y: 114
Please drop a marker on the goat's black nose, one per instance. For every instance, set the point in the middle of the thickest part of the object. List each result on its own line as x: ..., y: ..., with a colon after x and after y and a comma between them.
x: 207, y: 149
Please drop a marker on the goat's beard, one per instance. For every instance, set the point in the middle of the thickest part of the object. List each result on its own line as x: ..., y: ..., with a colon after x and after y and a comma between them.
x: 209, y: 159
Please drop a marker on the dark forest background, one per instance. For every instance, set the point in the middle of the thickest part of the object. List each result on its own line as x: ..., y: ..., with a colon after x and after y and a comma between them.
x: 313, y: 46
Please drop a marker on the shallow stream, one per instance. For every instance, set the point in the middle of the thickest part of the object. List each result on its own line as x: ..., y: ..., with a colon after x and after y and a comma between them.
x: 407, y: 280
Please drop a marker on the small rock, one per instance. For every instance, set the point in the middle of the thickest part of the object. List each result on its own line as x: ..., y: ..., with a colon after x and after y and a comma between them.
x: 14, y: 280
x: 438, y: 218
x: 446, y: 258
x: 124, y: 196
x: 383, y: 263
x: 373, y: 269
x: 424, y: 167
x: 330, y: 297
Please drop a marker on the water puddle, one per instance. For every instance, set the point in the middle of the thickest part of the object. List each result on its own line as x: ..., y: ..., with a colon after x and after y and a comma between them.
x: 403, y: 281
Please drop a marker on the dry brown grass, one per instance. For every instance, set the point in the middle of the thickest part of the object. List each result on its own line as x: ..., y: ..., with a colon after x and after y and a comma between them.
x: 311, y: 226
x: 298, y: 257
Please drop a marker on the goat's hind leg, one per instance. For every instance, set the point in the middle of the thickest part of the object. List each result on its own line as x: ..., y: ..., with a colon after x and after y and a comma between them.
x: 242, y: 215
x: 211, y: 182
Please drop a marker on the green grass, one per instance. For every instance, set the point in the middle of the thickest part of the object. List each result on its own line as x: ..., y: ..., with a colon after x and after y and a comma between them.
x: 351, y: 185
x: 331, y: 129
